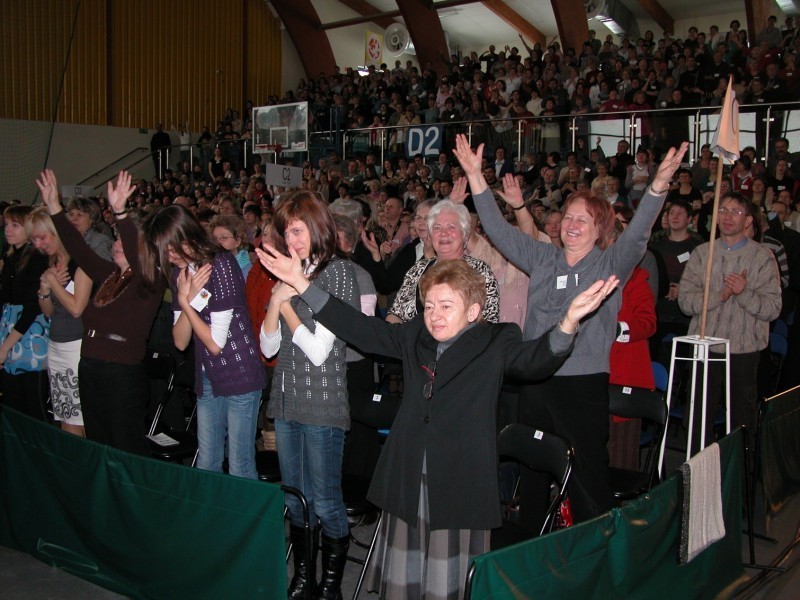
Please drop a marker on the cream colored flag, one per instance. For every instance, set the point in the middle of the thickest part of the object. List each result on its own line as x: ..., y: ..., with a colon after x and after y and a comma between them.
x: 726, y: 138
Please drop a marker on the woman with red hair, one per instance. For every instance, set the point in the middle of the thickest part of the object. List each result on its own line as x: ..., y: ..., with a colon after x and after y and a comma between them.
x: 573, y: 402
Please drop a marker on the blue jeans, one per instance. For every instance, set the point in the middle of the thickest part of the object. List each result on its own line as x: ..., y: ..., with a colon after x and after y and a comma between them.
x: 311, y: 461
x: 234, y: 415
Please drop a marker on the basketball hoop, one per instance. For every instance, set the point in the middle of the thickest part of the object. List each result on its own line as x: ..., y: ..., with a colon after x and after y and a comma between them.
x: 268, y: 149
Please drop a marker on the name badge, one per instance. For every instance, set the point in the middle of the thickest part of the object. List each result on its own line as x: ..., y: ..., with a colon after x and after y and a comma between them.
x: 376, y: 397
x: 682, y: 258
x: 70, y: 287
x: 744, y: 187
x: 561, y: 282
x: 200, y: 301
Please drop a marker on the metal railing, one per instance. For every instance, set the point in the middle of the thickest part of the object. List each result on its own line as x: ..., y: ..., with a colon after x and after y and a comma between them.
x: 760, y: 125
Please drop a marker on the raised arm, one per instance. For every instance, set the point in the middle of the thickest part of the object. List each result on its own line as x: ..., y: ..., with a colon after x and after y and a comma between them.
x: 93, y: 265
x: 512, y: 195
x: 368, y: 334
x: 541, y: 357
x: 518, y: 247
x: 631, y: 246
x: 118, y: 195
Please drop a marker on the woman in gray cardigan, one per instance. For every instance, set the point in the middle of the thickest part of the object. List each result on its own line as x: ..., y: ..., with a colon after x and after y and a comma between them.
x: 574, y: 402
x: 308, y: 399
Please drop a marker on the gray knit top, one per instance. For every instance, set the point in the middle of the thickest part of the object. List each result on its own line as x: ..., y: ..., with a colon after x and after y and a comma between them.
x: 554, y: 283
x: 305, y: 393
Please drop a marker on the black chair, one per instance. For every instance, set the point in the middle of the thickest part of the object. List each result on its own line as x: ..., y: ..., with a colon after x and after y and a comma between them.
x: 648, y: 405
x: 179, y: 378
x: 539, y: 451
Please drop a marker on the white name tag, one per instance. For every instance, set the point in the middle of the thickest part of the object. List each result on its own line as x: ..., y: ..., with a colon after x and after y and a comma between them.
x: 682, y: 258
x: 200, y: 301
x: 70, y: 287
x: 626, y: 390
x: 538, y: 434
x: 376, y: 397
x: 561, y: 282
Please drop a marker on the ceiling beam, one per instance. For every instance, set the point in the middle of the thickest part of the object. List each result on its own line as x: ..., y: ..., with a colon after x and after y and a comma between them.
x: 514, y: 20
x: 426, y: 31
x: 573, y: 27
x: 659, y: 14
x: 365, y: 9
x: 311, y: 42
x: 391, y: 14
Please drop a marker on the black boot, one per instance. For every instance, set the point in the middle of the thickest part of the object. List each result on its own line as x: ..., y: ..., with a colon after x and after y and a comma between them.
x: 334, y: 557
x: 304, y: 582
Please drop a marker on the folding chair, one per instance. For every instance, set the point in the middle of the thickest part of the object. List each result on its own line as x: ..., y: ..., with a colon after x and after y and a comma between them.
x: 180, y: 377
x: 539, y: 451
x: 648, y: 405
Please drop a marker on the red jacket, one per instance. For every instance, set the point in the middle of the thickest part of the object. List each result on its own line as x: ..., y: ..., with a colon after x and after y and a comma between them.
x: 630, y: 361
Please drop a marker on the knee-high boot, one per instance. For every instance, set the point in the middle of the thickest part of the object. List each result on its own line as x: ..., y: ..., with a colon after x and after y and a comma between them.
x: 334, y: 557
x: 304, y: 582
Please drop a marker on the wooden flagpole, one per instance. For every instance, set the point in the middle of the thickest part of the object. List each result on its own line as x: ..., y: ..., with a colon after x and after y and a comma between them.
x: 727, y: 145
x: 707, y: 281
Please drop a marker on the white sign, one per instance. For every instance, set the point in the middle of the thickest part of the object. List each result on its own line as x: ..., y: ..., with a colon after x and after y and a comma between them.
x: 70, y: 191
x: 284, y: 176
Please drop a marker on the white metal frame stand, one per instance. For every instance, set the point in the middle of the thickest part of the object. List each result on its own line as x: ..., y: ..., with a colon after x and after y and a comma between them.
x: 700, y: 354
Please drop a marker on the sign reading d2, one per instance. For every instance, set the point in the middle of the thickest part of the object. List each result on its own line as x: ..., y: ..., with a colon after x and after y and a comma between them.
x: 424, y: 140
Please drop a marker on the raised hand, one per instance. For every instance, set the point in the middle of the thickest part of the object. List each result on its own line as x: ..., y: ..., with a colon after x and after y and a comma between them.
x: 459, y: 192
x: 667, y: 168
x: 511, y: 194
x: 118, y: 194
x: 48, y: 186
x: 285, y: 268
x: 587, y: 302
x: 470, y: 160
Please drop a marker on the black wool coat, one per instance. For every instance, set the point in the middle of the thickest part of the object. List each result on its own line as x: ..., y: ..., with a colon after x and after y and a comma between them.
x: 455, y: 430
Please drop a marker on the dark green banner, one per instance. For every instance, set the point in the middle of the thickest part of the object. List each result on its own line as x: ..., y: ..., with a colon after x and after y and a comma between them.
x: 140, y: 527
x: 630, y: 552
x: 780, y: 448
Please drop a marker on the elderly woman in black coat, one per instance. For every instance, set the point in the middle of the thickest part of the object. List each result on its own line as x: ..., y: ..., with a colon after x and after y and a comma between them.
x: 437, y: 475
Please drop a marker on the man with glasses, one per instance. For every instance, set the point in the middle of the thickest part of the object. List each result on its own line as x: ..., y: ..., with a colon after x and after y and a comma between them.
x: 744, y: 296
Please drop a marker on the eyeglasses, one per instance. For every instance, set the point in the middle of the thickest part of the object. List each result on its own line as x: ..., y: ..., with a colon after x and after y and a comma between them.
x: 724, y: 210
x: 223, y: 238
x: 427, y: 389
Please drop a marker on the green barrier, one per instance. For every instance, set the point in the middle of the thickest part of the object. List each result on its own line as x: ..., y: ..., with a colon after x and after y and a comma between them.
x: 780, y: 448
x: 137, y: 526
x: 630, y: 552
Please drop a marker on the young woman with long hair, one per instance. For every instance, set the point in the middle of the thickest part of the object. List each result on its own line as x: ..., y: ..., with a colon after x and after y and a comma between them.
x: 112, y: 378
x: 210, y: 308
x: 309, y: 392
x: 22, y: 324
x: 64, y: 291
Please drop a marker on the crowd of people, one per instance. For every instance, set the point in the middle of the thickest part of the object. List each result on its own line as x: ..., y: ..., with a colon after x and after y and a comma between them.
x: 460, y: 267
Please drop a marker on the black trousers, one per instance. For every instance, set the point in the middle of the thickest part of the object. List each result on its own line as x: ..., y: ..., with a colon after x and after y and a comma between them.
x: 27, y: 393
x: 576, y: 408
x: 114, y: 403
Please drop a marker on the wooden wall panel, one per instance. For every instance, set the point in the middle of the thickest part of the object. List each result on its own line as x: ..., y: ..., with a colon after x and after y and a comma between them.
x: 262, y: 53
x: 134, y: 63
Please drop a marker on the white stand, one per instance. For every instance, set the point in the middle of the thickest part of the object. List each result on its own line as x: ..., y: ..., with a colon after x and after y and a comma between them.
x: 700, y: 354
